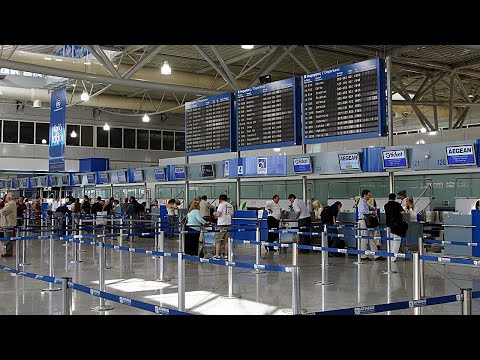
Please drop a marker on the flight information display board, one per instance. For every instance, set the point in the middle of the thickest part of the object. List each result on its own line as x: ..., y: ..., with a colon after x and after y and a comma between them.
x: 209, y: 125
x: 268, y: 115
x: 343, y: 103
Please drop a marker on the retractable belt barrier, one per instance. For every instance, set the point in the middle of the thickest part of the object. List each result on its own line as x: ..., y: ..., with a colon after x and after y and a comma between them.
x: 25, y: 238
x: 373, y: 237
x: 446, y: 242
x: 108, y: 296
x: 345, y: 227
x: 408, y: 304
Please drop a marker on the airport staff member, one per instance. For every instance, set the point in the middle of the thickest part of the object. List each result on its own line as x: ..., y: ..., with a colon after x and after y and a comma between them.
x: 302, y: 215
x: 205, y: 208
x: 364, y: 208
x: 273, y: 220
x: 402, y: 195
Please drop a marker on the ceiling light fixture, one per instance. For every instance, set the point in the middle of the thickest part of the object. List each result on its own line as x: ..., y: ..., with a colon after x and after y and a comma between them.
x: 87, y: 62
x: 106, y: 127
x: 146, y: 118
x: 432, y: 133
x: 420, y: 142
x: 73, y: 134
x: 248, y: 47
x: 84, y: 96
x: 276, y: 149
x: 471, y: 96
x: 423, y: 130
x: 166, y: 69
x: 44, y: 141
x: 58, y: 60
x: 48, y: 58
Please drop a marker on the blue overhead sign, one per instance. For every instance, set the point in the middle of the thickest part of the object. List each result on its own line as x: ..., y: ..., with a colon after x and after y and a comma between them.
x: 57, y: 131
x: 302, y: 165
x: 159, y: 174
x: 91, y: 178
x: 103, y: 177
x: 121, y: 177
x: 179, y: 173
x: 460, y: 155
x: 394, y: 159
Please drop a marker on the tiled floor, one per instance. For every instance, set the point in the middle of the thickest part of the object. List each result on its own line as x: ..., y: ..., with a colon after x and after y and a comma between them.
x: 132, y: 275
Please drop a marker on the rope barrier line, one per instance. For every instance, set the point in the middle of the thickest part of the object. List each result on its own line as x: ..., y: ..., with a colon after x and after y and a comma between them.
x: 450, y: 260
x: 239, y: 265
x: 447, y: 242
x: 408, y: 304
x: 25, y: 238
x: 126, y: 301
x: 372, y: 237
x: 85, y: 289
x: 263, y: 243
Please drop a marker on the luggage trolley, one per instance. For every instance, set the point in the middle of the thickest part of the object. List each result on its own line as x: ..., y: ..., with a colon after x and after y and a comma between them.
x: 208, y: 241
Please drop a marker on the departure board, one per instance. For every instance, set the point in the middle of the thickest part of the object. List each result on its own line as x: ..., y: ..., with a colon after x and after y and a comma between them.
x: 268, y: 115
x: 209, y: 125
x: 344, y: 103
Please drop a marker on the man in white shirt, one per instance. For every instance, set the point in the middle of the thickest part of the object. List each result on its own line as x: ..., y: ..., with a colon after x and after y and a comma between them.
x: 224, y: 220
x: 273, y: 220
x: 56, y: 204
x: 364, y: 208
x: 205, y: 207
x: 302, y: 215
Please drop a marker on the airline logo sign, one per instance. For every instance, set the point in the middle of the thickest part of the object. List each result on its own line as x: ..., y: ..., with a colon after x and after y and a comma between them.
x: 461, y: 155
x: 302, y: 165
x: 262, y: 166
x: 394, y: 158
x: 226, y: 168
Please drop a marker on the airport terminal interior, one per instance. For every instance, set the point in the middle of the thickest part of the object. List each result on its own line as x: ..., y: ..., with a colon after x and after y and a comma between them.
x: 239, y: 179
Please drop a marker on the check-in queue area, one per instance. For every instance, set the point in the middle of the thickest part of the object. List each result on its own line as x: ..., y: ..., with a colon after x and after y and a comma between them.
x: 328, y: 188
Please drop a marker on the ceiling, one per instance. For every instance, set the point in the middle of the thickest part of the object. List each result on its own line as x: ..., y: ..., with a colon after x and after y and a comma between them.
x: 430, y: 70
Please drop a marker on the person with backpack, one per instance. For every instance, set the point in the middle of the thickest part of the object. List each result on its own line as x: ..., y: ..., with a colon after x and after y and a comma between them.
x: 329, y: 216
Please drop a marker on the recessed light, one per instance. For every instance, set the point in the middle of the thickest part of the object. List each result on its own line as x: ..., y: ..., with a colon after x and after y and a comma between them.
x: 423, y: 130
x: 48, y: 58
x: 58, y: 60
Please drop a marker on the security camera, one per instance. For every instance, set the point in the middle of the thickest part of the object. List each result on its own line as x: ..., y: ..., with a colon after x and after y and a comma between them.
x: 427, y: 156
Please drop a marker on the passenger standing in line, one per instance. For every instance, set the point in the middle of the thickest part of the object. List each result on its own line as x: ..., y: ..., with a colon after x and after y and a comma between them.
x: 194, y: 222
x: 37, y: 210
x: 8, y: 219
x: 273, y: 220
x: 329, y: 217
x: 393, y: 215
x: 224, y: 214
x: 205, y: 208
x: 86, y: 206
x: 302, y: 215
x: 172, y: 218
x: 364, y: 208
x: 402, y: 195
x: 410, y: 209
x: 21, y: 208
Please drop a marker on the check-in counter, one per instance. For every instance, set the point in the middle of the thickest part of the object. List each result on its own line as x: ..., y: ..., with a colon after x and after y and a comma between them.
x: 458, y: 227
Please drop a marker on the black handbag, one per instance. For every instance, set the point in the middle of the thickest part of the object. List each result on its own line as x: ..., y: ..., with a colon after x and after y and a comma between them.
x: 399, y: 227
x: 371, y: 220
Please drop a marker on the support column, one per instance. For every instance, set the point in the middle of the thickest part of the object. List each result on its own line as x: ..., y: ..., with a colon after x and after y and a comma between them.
x: 391, y: 176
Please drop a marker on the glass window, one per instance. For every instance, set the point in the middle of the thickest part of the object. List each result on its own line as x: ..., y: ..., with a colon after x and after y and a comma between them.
x: 26, y: 132
x: 42, y: 133
x: 73, y: 141
x: 179, y: 141
x: 129, y: 138
x: 142, y: 139
x: 102, y: 137
x: 155, y: 140
x: 116, y: 138
x: 10, y: 131
x: 168, y: 140
x: 87, y: 135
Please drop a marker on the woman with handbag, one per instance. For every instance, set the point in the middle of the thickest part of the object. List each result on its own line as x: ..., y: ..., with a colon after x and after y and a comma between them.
x: 398, y: 227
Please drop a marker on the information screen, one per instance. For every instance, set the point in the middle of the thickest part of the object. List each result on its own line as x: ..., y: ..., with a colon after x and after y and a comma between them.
x: 394, y: 159
x: 179, y: 173
x: 345, y: 102
x: 268, y: 115
x: 460, y: 155
x: 349, y: 162
x: 159, y: 174
x: 207, y: 171
x: 65, y: 180
x: 25, y: 183
x: 137, y: 176
x: 91, y: 178
x: 76, y: 179
x: 302, y: 165
x: 209, y: 124
x: 104, y: 177
x: 121, y: 177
